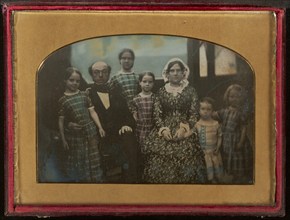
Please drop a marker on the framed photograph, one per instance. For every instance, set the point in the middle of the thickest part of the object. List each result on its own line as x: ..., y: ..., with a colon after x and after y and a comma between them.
x: 134, y: 109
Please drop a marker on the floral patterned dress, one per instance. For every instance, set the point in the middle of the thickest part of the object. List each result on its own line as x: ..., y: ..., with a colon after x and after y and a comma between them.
x: 174, y: 161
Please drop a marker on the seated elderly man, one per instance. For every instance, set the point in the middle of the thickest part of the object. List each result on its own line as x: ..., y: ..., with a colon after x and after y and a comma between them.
x: 119, y: 147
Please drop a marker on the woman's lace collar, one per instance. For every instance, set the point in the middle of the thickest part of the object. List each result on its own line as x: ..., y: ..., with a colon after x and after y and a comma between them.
x: 176, y: 90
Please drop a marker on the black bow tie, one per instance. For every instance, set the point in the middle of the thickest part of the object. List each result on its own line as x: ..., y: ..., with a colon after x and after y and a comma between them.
x: 102, y: 88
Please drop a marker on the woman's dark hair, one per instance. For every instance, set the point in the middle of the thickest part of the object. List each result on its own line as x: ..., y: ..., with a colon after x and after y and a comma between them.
x: 146, y: 73
x: 209, y: 101
x: 126, y: 50
x: 173, y: 63
x: 69, y: 71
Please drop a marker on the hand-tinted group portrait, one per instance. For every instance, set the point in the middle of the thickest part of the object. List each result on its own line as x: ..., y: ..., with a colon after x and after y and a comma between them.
x: 150, y: 109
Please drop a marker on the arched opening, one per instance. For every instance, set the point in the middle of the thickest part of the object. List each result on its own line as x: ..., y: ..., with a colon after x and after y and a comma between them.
x: 213, y: 68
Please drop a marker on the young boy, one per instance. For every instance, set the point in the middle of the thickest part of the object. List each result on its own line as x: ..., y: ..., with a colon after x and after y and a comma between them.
x: 210, y: 138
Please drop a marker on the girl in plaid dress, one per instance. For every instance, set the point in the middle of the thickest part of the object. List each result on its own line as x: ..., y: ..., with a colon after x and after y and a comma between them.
x: 236, y: 149
x: 143, y: 106
x: 83, y: 159
x: 123, y: 88
x: 125, y: 81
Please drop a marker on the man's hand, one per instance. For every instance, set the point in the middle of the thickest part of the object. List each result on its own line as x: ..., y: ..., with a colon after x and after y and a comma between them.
x: 87, y: 91
x: 125, y: 129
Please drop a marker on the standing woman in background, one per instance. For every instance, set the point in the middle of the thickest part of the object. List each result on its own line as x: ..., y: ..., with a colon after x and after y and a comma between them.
x: 123, y: 88
x: 125, y: 81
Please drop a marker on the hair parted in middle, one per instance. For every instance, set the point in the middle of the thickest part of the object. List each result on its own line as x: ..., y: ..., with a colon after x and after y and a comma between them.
x: 126, y: 50
x: 146, y: 73
x: 236, y: 87
x: 69, y: 71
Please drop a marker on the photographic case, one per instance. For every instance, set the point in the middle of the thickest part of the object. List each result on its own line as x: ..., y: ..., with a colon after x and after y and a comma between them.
x: 223, y: 49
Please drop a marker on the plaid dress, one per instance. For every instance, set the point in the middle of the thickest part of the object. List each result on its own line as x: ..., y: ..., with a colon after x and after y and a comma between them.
x: 83, y: 159
x: 143, y: 105
x: 127, y: 84
x: 236, y: 161
x: 208, y: 137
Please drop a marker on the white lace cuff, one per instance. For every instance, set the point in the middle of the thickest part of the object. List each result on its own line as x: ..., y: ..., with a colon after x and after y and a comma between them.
x: 161, y: 130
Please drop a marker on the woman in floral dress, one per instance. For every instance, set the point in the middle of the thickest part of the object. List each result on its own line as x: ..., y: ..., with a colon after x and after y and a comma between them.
x: 172, y: 153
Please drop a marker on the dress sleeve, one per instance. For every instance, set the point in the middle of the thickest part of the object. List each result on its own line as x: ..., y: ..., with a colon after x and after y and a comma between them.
x: 220, y: 115
x: 193, y: 111
x: 60, y: 107
x: 90, y: 104
x: 244, y: 118
x: 157, y: 112
x: 113, y: 83
x: 88, y: 101
x: 133, y: 106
